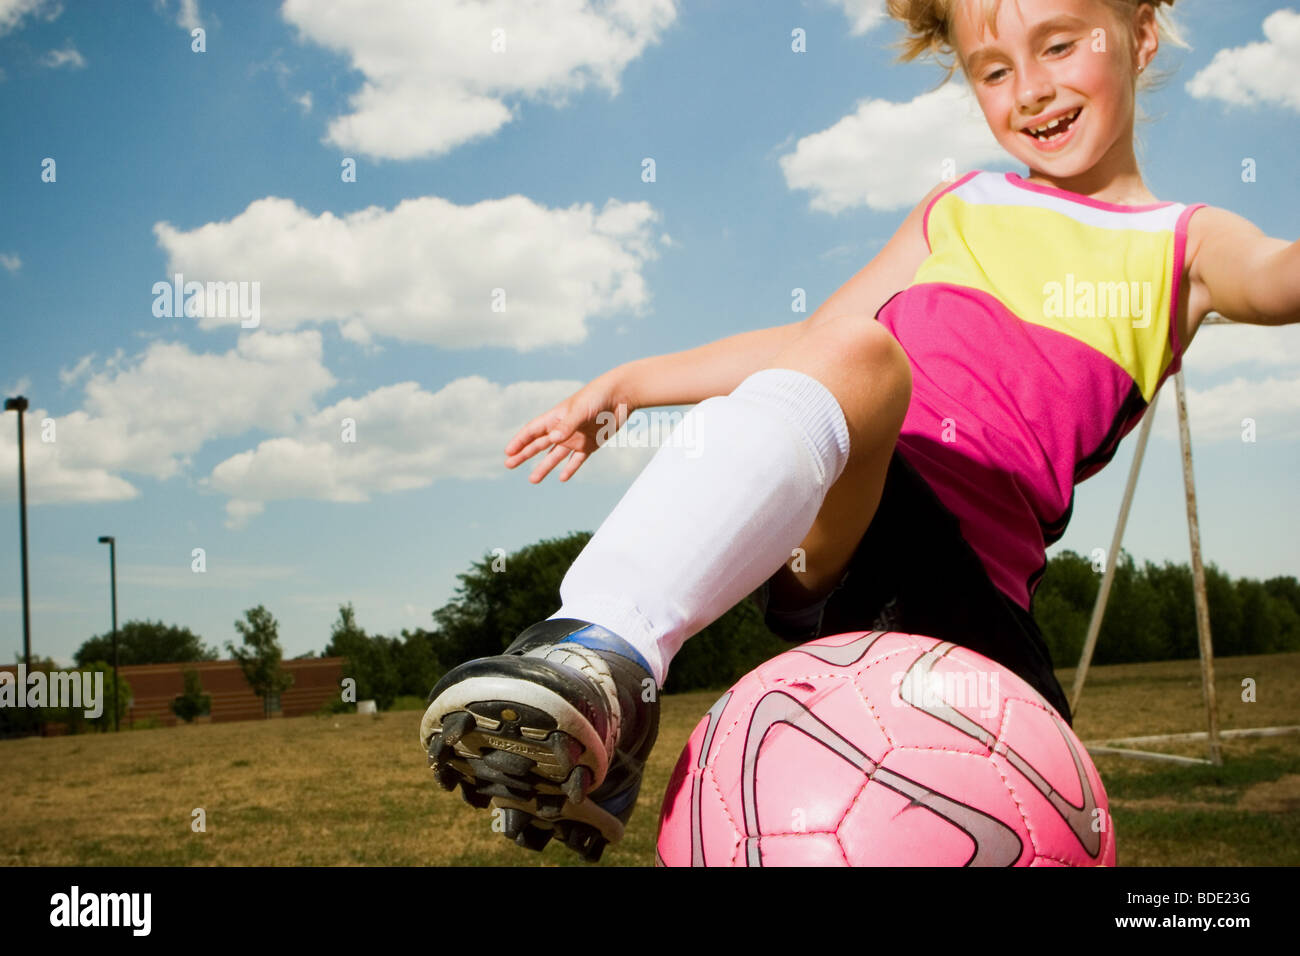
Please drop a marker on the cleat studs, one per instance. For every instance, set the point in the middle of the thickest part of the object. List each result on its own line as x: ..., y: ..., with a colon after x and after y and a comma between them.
x: 577, y: 837
x: 485, y: 771
x: 455, y: 726
x: 476, y: 800
x: 497, y: 790
x: 513, y: 822
x: 509, y: 714
x: 573, y: 786
x: 440, y: 752
x: 565, y: 748
x: 446, y: 775
x: 534, y: 838
x: 507, y: 763
x: 548, y: 808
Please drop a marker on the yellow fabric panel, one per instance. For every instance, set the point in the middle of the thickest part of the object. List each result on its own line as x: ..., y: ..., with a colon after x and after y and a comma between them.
x: 1109, y: 288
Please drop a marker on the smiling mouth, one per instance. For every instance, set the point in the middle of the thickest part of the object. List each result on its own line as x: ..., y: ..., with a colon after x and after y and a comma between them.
x: 1048, y: 132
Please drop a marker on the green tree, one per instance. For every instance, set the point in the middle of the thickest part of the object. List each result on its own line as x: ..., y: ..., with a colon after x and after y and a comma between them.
x: 371, y: 660
x: 192, y: 702
x: 146, y: 642
x: 19, y: 721
x: 501, y: 596
x: 724, y: 651
x: 1064, y: 626
x: 1172, y: 584
x: 1285, y: 589
x: 1062, y: 605
x: 1285, y: 595
x: 1133, y: 628
x: 25, y: 721
x: 260, y: 657
x: 1225, y: 613
x: 418, y: 666
x: 1074, y: 578
x: 75, y: 717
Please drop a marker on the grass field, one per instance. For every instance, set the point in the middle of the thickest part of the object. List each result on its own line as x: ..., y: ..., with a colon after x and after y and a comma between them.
x: 355, y: 790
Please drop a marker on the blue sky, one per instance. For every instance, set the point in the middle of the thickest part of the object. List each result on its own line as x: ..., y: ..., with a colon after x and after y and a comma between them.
x: 522, y: 169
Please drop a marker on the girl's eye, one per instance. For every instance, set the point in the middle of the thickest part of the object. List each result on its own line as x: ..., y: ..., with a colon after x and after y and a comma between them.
x: 1062, y: 47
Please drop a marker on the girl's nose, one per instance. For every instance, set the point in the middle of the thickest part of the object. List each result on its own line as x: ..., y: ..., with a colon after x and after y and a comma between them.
x: 1033, y: 85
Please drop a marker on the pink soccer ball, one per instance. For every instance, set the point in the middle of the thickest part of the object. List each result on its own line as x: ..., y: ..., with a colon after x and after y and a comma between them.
x: 876, y: 748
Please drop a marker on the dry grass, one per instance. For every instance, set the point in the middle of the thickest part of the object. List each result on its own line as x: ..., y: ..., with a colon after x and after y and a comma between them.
x: 354, y: 790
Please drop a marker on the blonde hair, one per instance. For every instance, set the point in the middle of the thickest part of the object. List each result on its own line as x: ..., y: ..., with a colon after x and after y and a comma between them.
x: 929, y: 26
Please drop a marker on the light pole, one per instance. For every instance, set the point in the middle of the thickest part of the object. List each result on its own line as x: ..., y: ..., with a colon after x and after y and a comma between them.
x: 19, y: 404
x: 109, y: 540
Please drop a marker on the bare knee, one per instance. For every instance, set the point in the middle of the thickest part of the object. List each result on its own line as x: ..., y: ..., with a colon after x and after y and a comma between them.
x: 865, y: 368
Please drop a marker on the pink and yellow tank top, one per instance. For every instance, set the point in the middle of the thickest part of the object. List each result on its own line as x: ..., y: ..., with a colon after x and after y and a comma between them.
x: 1038, y: 330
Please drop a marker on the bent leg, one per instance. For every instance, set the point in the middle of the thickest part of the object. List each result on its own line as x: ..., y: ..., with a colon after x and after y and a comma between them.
x: 867, y: 371
x: 703, y: 527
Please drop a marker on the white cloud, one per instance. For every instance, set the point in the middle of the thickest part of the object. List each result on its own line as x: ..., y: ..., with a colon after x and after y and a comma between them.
x: 13, y: 12
x: 68, y: 56
x: 304, y: 101
x: 10, y: 263
x: 72, y: 375
x: 150, y: 414
x: 426, y: 270
x: 888, y: 155
x: 187, y: 16
x: 1257, y: 74
x: 49, y: 478
x: 187, y: 13
x: 863, y: 15
x: 1216, y: 413
x: 432, y: 80
x: 1265, y: 386
x: 406, y: 438
x: 1217, y: 347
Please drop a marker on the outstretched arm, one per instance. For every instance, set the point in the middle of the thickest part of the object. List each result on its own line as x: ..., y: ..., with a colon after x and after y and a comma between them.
x: 1251, y: 277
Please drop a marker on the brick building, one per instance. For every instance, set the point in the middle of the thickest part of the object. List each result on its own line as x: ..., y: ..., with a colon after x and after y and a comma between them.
x: 316, y: 680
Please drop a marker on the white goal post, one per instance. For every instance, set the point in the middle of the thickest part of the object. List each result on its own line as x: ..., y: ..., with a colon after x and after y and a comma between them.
x: 1212, y: 735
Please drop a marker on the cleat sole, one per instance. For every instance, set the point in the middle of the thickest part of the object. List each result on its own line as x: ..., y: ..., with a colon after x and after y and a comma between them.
x: 542, y: 714
x: 516, y: 742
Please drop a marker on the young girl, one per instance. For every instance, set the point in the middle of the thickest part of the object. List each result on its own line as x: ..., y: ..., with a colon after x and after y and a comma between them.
x: 918, y: 438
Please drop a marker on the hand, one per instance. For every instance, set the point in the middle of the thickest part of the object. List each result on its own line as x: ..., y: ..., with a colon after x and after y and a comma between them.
x: 574, y: 428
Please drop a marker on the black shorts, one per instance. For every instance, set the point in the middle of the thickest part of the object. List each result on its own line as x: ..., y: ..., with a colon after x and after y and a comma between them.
x: 914, y: 572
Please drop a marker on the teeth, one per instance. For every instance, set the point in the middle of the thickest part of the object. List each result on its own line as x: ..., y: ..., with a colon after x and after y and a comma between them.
x: 1053, y: 124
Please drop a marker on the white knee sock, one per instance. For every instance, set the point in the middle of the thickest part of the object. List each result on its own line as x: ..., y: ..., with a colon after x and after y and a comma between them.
x: 717, y: 511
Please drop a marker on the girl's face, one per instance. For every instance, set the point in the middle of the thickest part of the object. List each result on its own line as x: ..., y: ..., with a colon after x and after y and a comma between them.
x: 1064, y: 60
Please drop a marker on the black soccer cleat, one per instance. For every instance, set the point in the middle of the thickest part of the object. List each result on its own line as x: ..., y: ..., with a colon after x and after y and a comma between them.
x: 552, y: 734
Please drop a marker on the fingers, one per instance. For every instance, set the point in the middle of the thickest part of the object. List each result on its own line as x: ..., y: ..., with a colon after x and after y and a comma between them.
x: 538, y: 427
x: 557, y: 454
x: 527, y: 451
x: 543, y: 441
x: 573, y: 464
x: 540, y: 433
x: 527, y: 435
